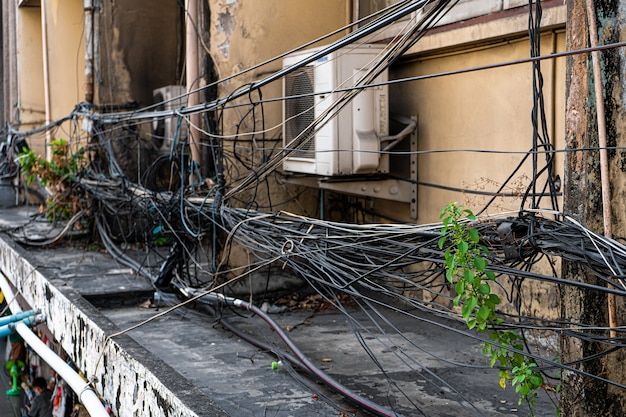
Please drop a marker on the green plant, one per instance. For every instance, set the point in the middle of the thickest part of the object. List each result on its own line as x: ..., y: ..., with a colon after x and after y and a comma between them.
x: 467, y: 269
x: 57, y: 175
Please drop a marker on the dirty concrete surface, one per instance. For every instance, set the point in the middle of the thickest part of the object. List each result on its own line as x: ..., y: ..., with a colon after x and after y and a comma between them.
x: 239, y: 378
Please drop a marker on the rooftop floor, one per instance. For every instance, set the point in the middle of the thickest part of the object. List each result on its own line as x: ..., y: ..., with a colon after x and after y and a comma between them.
x: 185, y: 363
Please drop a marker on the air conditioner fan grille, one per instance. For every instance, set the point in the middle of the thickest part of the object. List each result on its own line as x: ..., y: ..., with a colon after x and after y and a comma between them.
x: 300, y: 112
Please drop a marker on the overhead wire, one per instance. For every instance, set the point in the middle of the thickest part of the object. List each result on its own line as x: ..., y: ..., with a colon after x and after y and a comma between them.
x: 355, y: 259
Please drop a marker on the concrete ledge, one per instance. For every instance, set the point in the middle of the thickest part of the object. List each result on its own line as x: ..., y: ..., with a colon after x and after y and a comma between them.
x: 128, y: 377
x: 492, y: 27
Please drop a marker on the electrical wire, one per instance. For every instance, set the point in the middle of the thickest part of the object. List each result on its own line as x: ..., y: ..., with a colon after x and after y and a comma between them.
x: 383, y: 268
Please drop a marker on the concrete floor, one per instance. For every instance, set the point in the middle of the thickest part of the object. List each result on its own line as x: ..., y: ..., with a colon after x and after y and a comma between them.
x: 235, y: 378
x: 239, y: 378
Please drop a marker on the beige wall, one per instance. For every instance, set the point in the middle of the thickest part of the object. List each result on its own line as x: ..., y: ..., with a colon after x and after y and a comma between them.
x: 488, y: 109
x: 245, y: 33
x: 482, y: 110
x: 66, y: 55
x: 30, y: 104
x: 66, y: 65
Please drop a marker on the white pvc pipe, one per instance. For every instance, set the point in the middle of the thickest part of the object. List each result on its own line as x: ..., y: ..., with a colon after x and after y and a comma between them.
x: 85, y: 393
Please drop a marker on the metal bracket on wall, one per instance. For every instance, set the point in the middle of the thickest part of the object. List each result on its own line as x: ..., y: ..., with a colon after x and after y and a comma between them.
x: 391, y: 189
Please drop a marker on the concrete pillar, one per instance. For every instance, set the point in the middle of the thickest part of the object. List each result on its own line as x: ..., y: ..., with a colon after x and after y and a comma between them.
x: 584, y: 396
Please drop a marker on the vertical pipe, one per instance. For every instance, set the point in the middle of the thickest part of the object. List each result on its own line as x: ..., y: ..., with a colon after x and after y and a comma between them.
x: 89, y: 47
x: 192, y: 75
x: 9, y: 45
x: 604, y: 161
x: 553, y: 93
x: 46, y: 73
x: 352, y: 14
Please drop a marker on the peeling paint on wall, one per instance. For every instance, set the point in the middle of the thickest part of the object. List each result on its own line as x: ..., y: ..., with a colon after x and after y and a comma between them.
x: 226, y: 25
x: 121, y: 81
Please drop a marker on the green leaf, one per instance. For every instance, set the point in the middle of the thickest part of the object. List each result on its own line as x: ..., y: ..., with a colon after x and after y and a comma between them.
x: 468, y: 307
x: 460, y: 287
x: 468, y: 213
x: 468, y: 275
x: 449, y: 262
x: 536, y: 381
x: 473, y: 234
x: 494, y: 299
x: 484, y: 288
x: 490, y: 275
x: 457, y: 300
x: 483, y: 313
x: 441, y: 242
x: 463, y: 247
x: 476, y: 281
x: 492, y: 361
x: 480, y: 263
x: 450, y: 275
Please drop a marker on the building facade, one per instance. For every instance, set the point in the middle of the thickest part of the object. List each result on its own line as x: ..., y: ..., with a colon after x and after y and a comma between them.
x: 474, y: 85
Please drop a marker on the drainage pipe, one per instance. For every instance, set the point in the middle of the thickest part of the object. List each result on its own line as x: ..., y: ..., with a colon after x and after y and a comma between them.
x: 88, y: 11
x: 46, y: 75
x: 85, y: 393
x: 193, y: 77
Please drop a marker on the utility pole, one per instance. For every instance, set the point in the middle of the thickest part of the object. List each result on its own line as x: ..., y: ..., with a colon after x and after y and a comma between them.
x: 582, y: 395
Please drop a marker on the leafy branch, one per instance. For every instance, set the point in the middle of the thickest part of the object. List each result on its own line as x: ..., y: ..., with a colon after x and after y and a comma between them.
x: 467, y: 269
x: 58, y: 175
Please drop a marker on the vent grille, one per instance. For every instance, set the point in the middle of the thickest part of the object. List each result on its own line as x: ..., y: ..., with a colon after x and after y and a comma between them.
x: 299, y: 111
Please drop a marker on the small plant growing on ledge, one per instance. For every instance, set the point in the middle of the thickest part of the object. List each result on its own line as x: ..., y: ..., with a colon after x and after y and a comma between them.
x: 467, y: 269
x: 58, y: 176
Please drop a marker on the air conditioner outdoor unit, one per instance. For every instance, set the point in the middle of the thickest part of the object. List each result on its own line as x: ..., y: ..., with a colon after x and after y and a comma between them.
x: 167, y: 98
x: 349, y: 143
